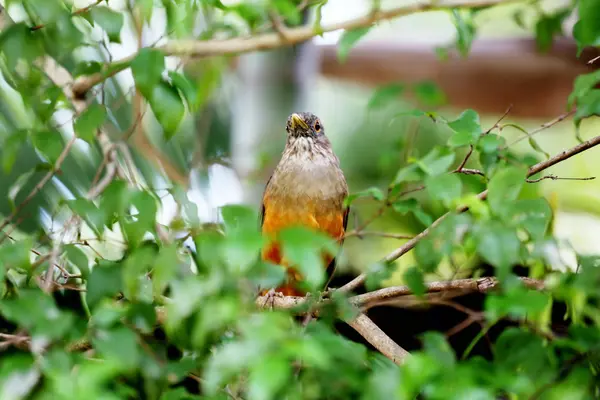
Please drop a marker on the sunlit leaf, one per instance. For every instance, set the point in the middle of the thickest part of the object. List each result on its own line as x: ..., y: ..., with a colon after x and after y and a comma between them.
x: 89, y: 121
x: 111, y: 21
x: 505, y: 186
x: 168, y: 107
x: 445, y: 187
x: 147, y: 68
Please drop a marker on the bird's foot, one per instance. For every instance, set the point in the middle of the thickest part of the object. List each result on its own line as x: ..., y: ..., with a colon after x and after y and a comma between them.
x: 270, y: 297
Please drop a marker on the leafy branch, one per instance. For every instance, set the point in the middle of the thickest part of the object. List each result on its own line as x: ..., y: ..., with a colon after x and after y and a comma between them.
x: 268, y: 41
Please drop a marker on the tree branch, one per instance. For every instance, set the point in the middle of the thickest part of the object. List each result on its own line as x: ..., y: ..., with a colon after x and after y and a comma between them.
x: 267, y: 41
x: 406, y: 247
x: 367, y: 300
x: 382, y: 342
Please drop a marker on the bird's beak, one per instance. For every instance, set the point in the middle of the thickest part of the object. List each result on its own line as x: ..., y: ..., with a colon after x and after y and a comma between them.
x: 297, y: 121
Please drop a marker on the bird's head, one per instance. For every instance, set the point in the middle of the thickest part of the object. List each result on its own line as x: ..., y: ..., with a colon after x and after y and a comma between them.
x: 304, y: 124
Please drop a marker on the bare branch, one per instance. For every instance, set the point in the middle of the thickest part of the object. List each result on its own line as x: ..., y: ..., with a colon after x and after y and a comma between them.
x: 266, y: 41
x: 481, y: 285
x: 382, y: 342
x: 367, y: 300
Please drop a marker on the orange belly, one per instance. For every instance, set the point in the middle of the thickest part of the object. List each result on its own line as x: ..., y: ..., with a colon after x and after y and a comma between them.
x: 277, y: 217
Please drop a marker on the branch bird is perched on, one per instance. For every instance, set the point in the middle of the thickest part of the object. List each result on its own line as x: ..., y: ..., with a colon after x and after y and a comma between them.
x: 308, y: 189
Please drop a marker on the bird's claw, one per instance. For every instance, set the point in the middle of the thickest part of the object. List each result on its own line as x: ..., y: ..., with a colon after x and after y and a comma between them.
x: 270, y: 298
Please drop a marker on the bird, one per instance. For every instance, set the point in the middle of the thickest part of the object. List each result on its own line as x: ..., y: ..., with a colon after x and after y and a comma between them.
x: 307, y: 188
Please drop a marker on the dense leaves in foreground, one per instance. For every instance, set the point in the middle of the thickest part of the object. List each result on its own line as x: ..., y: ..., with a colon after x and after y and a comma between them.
x: 106, y: 302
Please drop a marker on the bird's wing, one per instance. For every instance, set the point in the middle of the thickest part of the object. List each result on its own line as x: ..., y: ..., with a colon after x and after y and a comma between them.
x: 331, y: 267
x: 262, y: 203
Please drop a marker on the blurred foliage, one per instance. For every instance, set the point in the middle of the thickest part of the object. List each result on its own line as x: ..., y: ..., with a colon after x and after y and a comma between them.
x: 104, y: 299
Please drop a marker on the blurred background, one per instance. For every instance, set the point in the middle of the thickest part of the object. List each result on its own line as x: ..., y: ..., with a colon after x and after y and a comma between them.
x: 225, y: 152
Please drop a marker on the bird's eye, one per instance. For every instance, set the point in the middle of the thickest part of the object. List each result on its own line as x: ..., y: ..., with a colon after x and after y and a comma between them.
x: 317, y: 126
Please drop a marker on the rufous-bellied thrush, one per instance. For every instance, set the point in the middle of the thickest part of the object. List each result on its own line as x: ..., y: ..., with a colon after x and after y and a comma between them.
x: 308, y: 189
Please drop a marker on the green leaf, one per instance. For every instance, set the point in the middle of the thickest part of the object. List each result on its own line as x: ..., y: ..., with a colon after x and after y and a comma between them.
x: 111, y: 21
x: 135, y: 270
x: 90, y: 213
x: 303, y: 247
x: 583, y: 84
x: 437, y: 161
x: 187, y: 88
x: 415, y: 281
x: 436, y: 345
x: 385, y: 95
x: 409, y: 173
x: 142, y: 316
x: 145, y: 8
x: 445, y: 188
x: 147, y: 68
x: 412, y: 206
x: 467, y: 129
x: 119, y: 344
x: 373, y: 192
x: 546, y: 28
x: 268, y: 377
x: 533, y: 215
x: 78, y: 258
x: 289, y: 10
x: 498, y: 245
x: 49, y: 143
x: 348, y: 40
x: 89, y: 122
x: 505, y: 186
x: 588, y: 105
x: 164, y: 268
x: 17, y: 42
x: 429, y: 94
x: 36, y: 311
x: 238, y: 218
x: 490, y: 143
x: 465, y: 31
x: 168, y: 107
x: 518, y: 302
x: 15, y: 255
x: 47, y: 11
x: 104, y: 281
x: 587, y: 30
x: 16, y: 187
x: 180, y: 17
x: 10, y: 148
x: 427, y: 255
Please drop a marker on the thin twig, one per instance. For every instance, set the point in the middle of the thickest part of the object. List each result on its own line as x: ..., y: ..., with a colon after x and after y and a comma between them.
x: 469, y: 171
x: 557, y: 178
x: 593, y: 60
x: 378, y: 234
x: 543, y: 127
x: 267, y: 41
x: 464, y: 161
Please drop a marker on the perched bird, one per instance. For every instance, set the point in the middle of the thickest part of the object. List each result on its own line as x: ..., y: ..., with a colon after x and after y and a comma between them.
x: 308, y: 189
